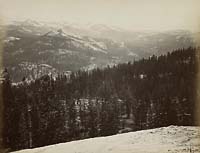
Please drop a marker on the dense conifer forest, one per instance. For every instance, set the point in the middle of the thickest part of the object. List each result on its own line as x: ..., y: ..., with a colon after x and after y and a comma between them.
x: 148, y: 93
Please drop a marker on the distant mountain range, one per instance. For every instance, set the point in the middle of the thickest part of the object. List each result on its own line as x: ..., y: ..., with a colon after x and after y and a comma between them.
x: 32, y: 49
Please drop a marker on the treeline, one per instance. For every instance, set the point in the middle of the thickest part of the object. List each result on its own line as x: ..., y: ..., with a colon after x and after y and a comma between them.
x: 149, y: 93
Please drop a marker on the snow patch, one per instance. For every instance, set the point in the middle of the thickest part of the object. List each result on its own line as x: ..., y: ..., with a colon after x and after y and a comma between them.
x: 11, y: 39
x: 132, y: 54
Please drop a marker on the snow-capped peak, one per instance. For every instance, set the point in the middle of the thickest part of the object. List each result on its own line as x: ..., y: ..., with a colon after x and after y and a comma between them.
x: 59, y: 32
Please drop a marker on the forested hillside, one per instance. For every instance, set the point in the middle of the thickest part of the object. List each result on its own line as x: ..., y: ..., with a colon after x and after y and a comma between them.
x: 154, y: 92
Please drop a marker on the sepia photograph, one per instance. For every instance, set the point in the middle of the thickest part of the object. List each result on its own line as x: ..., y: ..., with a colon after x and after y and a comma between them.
x: 99, y: 76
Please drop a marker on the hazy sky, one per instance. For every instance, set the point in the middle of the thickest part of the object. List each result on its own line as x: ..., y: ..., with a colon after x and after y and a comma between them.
x: 130, y: 14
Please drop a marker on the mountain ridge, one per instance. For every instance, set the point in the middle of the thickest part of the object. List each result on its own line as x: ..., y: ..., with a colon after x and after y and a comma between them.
x: 67, y: 48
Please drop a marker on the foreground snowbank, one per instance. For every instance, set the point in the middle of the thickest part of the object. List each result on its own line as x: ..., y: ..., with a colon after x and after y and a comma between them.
x: 176, y: 139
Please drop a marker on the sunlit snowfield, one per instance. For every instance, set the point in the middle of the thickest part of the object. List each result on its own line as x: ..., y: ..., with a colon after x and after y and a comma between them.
x: 172, y: 139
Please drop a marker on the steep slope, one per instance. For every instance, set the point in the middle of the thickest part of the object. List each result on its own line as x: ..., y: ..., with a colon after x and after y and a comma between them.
x: 29, y: 44
x: 172, y: 139
x: 23, y: 54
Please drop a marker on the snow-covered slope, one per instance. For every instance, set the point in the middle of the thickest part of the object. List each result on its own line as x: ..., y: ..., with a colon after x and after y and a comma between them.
x: 172, y: 139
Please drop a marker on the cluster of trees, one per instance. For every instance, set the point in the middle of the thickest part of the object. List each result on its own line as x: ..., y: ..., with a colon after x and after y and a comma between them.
x: 149, y: 93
